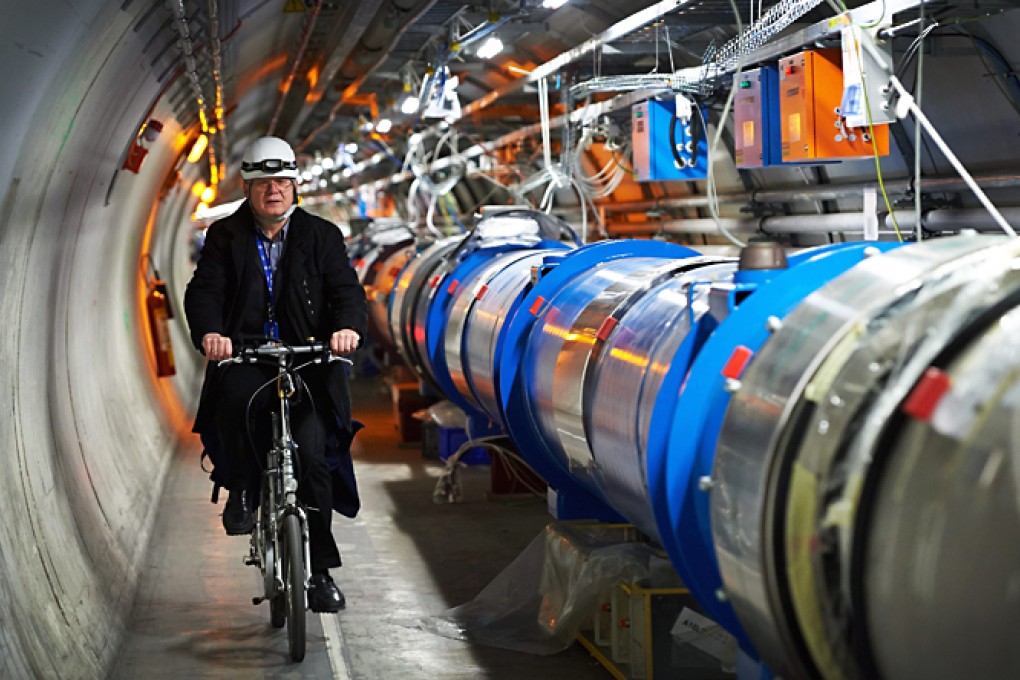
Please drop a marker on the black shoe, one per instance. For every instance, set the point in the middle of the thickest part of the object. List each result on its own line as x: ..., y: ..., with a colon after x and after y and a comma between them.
x: 323, y: 595
x: 237, y: 516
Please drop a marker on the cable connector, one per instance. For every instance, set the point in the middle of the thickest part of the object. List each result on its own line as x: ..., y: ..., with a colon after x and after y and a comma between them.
x: 684, y: 108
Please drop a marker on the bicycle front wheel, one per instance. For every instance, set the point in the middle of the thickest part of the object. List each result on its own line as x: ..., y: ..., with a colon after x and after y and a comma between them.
x: 294, y: 583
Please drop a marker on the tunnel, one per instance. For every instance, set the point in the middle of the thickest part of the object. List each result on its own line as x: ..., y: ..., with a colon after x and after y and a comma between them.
x: 788, y: 493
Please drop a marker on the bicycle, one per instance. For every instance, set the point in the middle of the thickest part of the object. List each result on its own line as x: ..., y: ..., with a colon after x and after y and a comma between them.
x: 279, y: 542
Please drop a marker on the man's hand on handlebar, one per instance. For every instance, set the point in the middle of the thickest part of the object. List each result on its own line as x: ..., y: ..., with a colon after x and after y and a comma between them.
x: 343, y: 341
x: 217, y: 347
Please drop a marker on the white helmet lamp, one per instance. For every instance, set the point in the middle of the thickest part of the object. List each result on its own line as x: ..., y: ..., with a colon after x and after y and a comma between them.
x: 269, y: 157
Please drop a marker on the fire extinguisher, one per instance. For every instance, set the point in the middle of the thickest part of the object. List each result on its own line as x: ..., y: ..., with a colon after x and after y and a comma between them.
x: 157, y: 303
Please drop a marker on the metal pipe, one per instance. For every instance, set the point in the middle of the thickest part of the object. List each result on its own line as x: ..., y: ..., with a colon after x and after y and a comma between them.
x: 809, y: 194
x: 289, y: 80
x: 852, y: 222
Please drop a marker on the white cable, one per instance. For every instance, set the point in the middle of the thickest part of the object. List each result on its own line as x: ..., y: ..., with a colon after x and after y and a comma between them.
x: 713, y: 196
x: 907, y: 101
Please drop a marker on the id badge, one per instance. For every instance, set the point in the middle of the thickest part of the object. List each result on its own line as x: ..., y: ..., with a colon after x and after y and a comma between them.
x: 272, y: 330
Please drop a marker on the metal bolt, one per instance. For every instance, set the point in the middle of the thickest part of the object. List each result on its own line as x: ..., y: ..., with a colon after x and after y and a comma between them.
x: 720, y: 595
x: 773, y: 324
x: 823, y: 427
x: 835, y: 400
x: 705, y: 483
x: 732, y: 385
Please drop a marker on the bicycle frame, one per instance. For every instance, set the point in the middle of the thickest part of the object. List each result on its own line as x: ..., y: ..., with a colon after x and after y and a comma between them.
x: 278, y: 495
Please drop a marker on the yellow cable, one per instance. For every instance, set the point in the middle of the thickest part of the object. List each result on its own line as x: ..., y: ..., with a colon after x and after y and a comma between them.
x: 874, y: 143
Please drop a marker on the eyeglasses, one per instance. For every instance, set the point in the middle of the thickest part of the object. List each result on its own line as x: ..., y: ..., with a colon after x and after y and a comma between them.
x: 269, y: 165
x: 264, y: 183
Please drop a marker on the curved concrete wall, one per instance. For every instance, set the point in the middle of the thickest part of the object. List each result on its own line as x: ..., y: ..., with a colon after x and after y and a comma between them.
x: 88, y: 430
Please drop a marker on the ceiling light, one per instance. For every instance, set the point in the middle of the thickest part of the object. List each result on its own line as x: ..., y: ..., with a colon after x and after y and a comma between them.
x: 316, y: 169
x: 335, y: 178
x: 198, y: 148
x: 351, y: 147
x: 383, y: 126
x: 322, y: 184
x: 553, y: 4
x: 410, y: 105
x: 327, y: 163
x: 306, y: 176
x: 490, y: 48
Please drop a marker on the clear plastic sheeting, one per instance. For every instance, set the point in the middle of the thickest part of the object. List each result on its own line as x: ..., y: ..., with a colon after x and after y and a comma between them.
x: 543, y: 598
x: 447, y: 414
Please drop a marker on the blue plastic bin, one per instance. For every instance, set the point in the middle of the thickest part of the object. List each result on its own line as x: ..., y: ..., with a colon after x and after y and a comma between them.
x: 452, y: 438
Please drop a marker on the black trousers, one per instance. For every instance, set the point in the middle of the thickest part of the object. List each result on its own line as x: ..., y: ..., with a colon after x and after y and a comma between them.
x: 244, y: 421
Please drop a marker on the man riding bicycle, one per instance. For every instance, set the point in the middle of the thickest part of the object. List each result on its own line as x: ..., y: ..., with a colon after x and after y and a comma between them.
x: 273, y: 270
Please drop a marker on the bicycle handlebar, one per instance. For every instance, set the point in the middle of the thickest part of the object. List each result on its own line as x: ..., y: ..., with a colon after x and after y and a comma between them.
x: 252, y: 354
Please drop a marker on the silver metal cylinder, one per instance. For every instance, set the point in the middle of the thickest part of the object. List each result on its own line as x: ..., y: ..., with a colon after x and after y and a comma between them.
x: 781, y: 458
x: 466, y: 312
x: 410, y: 287
x: 627, y: 377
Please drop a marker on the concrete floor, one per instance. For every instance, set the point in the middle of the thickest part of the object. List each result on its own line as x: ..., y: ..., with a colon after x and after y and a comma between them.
x: 404, y: 558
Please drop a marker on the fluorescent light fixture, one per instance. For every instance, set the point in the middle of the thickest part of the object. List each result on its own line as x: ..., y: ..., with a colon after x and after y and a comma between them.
x: 490, y: 48
x: 351, y: 147
x: 383, y: 126
x: 327, y: 163
x: 316, y: 169
x: 553, y: 4
x: 410, y: 105
x: 306, y: 176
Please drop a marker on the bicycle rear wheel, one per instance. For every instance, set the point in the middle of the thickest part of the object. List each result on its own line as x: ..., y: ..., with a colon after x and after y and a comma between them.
x: 294, y: 585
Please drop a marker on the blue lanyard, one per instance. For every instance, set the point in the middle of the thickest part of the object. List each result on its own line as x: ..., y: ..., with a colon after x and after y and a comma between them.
x: 272, y: 329
x: 267, y: 266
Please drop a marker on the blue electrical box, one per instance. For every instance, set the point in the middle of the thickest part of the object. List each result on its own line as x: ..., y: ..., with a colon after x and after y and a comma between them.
x: 650, y: 143
x: 757, y: 133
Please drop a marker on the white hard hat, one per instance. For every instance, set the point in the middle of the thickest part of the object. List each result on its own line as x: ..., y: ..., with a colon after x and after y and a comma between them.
x: 268, y: 157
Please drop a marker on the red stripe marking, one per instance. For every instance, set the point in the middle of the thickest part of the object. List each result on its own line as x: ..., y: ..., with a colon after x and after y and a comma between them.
x: 606, y: 328
x: 927, y: 394
x: 737, y: 362
x: 536, y: 305
x: 452, y: 287
x: 481, y: 292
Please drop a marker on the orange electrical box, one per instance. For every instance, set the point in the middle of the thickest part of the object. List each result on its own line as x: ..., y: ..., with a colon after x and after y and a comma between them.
x: 810, y: 94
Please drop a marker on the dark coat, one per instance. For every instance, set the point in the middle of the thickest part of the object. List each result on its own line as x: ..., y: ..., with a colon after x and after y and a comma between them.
x: 316, y: 289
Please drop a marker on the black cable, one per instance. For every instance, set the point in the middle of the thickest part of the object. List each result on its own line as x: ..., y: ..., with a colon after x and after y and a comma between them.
x: 692, y: 135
